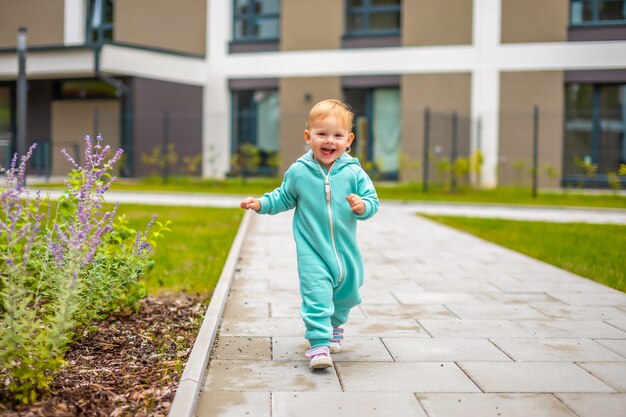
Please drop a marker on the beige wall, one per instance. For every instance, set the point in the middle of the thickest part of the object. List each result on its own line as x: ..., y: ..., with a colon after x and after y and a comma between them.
x: 307, y: 24
x: 519, y: 93
x: 295, y: 109
x: 443, y: 94
x: 73, y: 119
x: 44, y: 20
x: 176, y: 25
x: 436, y: 22
x: 534, y: 20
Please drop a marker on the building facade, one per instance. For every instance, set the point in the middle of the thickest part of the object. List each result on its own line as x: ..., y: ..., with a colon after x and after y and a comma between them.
x: 432, y: 82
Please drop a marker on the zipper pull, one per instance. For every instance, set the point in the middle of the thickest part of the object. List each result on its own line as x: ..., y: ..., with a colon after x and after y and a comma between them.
x: 327, y: 187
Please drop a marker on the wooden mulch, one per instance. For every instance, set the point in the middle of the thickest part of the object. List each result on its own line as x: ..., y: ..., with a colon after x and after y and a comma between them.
x: 130, y: 365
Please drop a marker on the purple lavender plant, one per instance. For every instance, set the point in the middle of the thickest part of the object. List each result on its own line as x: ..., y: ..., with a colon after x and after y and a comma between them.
x: 60, y: 271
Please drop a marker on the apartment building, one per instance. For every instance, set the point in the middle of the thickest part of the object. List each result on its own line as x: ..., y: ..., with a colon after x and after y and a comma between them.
x: 208, y: 76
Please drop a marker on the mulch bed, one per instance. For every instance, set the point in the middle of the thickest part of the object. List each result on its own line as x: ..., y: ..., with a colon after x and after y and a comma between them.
x: 129, y: 366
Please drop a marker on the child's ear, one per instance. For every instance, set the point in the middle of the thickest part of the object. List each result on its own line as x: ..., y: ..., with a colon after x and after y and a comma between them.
x: 307, y: 136
x: 350, y: 138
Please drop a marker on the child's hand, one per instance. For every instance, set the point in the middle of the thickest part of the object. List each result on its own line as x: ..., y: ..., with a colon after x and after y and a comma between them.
x: 356, y: 204
x: 250, y: 203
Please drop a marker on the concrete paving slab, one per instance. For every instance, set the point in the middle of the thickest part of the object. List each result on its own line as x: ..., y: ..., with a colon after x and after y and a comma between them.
x: 269, y: 376
x: 569, y: 286
x: 567, y: 312
x: 247, y: 309
x: 378, y: 297
x: 266, y: 296
x: 499, y: 311
x: 538, y: 377
x: 373, y: 286
x: 233, y: 404
x: 406, y: 311
x: 443, y: 350
x: 608, y: 298
x: 243, y: 348
x: 571, y: 329
x: 342, y: 404
x: 448, y: 284
x: 248, y: 284
x: 384, y: 328
x: 493, y: 405
x: 353, y: 349
x: 473, y: 328
x: 620, y: 324
x: 515, y: 298
x: 403, y: 377
x: 253, y: 326
x: 292, y: 310
x: 595, y: 405
x: 286, y: 284
x: 617, y: 346
x: 612, y: 373
x: 289, y: 309
x: 555, y: 350
x: 435, y: 298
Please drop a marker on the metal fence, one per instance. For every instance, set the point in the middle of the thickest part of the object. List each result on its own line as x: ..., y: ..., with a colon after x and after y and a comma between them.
x: 536, y: 147
x: 446, y: 150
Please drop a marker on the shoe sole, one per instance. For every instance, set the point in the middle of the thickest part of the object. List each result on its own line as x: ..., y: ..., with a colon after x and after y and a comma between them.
x: 335, y: 349
x: 322, y: 364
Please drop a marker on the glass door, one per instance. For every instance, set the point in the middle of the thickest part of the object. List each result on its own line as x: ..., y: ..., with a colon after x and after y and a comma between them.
x: 595, y: 132
x: 377, y: 129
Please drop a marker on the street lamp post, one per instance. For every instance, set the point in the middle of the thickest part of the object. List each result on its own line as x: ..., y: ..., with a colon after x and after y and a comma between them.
x: 21, y: 91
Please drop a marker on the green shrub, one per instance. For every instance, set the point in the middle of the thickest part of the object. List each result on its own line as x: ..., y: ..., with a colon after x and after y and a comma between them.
x: 61, y: 268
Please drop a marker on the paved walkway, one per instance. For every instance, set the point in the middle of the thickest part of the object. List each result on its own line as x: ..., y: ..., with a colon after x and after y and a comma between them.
x: 450, y: 326
x: 537, y: 213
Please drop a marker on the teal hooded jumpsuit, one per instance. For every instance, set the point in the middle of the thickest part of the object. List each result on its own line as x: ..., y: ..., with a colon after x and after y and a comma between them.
x: 330, y: 266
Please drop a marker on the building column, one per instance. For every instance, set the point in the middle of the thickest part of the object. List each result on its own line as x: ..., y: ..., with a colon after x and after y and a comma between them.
x: 74, y: 22
x: 216, y: 105
x: 486, y: 87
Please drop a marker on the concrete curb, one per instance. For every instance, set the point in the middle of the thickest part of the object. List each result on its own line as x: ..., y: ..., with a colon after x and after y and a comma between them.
x: 186, y: 398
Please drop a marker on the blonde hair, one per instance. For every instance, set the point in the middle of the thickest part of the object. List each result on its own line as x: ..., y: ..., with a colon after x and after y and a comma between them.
x: 331, y: 107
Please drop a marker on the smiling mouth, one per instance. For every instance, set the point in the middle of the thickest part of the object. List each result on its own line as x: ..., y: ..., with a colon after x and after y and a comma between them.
x: 327, y: 151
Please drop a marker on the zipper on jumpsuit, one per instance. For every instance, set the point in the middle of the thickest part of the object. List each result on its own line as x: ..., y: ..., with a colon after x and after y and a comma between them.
x: 330, y: 219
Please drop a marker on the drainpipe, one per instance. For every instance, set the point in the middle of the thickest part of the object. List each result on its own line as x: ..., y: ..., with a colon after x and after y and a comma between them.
x: 126, y: 121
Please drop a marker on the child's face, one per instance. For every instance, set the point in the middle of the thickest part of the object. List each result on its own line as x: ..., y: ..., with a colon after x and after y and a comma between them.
x: 328, y: 140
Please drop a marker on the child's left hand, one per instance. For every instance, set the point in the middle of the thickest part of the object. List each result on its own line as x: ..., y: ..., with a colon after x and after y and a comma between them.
x: 356, y: 204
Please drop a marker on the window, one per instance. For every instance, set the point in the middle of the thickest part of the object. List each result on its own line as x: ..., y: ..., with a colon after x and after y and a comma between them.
x: 6, y: 126
x: 377, y: 129
x: 595, y: 131
x: 100, y: 21
x: 256, y: 122
x: 373, y: 17
x: 256, y: 20
x: 598, y: 12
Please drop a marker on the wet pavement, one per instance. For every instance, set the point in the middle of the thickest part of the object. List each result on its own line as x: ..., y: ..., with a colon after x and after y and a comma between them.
x: 450, y: 326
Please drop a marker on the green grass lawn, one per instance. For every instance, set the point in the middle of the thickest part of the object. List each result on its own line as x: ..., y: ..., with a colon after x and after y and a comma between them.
x: 593, y: 251
x: 386, y: 191
x: 190, y: 257
x: 502, y: 195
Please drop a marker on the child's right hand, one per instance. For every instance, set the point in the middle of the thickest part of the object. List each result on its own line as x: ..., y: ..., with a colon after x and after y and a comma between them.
x: 250, y: 203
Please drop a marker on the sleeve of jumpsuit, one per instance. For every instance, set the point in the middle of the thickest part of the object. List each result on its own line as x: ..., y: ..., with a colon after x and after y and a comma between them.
x: 367, y: 192
x: 284, y: 197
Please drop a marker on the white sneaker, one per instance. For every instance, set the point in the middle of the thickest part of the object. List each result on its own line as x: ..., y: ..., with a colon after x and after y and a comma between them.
x: 320, y: 357
x: 335, y: 342
x: 335, y: 347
